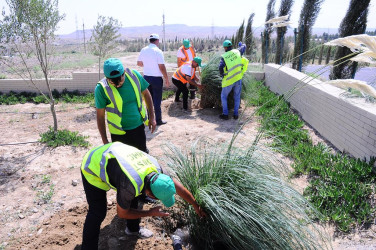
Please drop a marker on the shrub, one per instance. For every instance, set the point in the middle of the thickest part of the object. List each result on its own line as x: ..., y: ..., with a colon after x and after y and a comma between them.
x: 62, y: 138
x: 248, y: 205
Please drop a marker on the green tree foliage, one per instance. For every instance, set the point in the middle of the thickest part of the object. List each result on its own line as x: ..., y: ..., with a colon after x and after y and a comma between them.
x: 284, y: 9
x: 354, y: 23
x: 266, y: 34
x: 308, y: 15
x: 239, y: 34
x: 104, y: 36
x: 249, y: 42
x: 29, y: 31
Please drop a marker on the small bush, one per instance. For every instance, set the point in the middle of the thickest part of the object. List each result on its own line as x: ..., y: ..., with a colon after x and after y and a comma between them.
x: 167, y: 94
x: 62, y: 138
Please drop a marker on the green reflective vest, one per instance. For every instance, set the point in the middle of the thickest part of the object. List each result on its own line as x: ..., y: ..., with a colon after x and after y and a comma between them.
x: 114, y: 109
x: 135, y: 164
x: 233, y: 69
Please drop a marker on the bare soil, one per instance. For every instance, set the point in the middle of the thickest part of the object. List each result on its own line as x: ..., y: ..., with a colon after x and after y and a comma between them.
x: 42, y: 202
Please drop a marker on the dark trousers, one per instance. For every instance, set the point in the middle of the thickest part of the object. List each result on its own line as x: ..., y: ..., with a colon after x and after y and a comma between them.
x: 182, y: 88
x: 97, y: 200
x: 134, y: 137
x: 155, y: 88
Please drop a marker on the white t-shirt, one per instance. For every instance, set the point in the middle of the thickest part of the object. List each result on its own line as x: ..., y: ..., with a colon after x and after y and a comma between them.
x: 186, y: 69
x: 182, y: 55
x: 151, y: 56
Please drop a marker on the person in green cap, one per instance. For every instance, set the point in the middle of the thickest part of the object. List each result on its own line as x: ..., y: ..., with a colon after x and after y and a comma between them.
x: 183, y: 75
x: 186, y: 53
x: 130, y: 172
x: 231, y: 68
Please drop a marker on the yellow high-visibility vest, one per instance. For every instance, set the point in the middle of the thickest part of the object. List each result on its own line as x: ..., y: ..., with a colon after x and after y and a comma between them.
x: 115, y: 108
x: 233, y: 69
x: 135, y: 164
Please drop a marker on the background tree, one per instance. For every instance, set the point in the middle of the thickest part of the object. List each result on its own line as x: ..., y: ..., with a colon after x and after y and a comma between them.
x: 248, y: 40
x: 284, y: 9
x: 308, y: 15
x: 104, y: 36
x: 29, y: 30
x: 239, y: 35
x: 266, y: 34
x: 354, y: 23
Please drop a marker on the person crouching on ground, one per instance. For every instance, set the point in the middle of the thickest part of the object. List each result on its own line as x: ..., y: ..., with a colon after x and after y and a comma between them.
x: 183, y: 75
x: 130, y: 172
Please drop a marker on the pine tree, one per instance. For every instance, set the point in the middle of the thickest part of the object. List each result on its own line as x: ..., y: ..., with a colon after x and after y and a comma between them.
x: 266, y: 34
x: 308, y: 15
x: 354, y: 23
x: 249, y: 35
x: 285, y: 9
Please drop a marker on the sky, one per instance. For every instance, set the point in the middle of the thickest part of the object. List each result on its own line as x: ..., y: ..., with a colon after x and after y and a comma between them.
x: 203, y: 12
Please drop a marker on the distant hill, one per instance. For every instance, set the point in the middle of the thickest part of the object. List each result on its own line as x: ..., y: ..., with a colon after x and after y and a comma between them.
x: 184, y: 31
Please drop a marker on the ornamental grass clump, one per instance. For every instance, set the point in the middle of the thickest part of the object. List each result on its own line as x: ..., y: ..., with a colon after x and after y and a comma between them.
x: 212, y: 82
x: 249, y: 206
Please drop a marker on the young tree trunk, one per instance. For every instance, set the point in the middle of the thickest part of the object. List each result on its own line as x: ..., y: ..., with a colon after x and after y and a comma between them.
x: 321, y: 52
x: 328, y: 55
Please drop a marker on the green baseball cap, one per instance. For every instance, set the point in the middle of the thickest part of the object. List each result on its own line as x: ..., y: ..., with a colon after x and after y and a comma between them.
x: 163, y: 188
x: 227, y: 43
x: 186, y: 43
x: 198, y: 60
x: 113, y: 64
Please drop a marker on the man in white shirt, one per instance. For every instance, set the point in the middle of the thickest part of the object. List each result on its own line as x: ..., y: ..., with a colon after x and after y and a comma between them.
x: 152, y: 59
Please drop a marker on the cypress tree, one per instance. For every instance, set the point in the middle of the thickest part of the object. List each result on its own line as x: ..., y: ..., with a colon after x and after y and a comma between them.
x: 249, y: 35
x: 284, y: 9
x: 308, y: 15
x: 354, y: 23
x: 266, y: 34
x: 239, y: 35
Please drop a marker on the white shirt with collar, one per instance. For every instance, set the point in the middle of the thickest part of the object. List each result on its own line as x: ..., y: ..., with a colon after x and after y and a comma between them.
x: 151, y: 56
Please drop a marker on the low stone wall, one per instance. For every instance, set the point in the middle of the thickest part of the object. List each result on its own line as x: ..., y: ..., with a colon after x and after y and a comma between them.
x: 83, y: 82
x: 349, y: 124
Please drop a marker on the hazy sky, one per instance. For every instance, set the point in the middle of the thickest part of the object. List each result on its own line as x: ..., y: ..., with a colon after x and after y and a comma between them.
x: 196, y: 13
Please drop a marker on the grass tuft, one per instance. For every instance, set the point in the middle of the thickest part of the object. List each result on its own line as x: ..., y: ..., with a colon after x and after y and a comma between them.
x: 63, y: 138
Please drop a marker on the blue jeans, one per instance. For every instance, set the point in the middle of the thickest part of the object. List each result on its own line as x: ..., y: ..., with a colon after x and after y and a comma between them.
x: 237, y: 86
x: 155, y: 88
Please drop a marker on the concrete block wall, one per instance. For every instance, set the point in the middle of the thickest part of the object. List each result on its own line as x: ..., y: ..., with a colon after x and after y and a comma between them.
x: 349, y: 124
x: 83, y: 82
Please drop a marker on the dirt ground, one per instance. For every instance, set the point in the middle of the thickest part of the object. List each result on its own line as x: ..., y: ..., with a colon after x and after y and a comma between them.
x: 42, y: 202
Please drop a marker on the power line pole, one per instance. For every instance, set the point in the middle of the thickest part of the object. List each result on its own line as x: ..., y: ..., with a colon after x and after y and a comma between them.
x: 83, y: 31
x: 77, y: 32
x: 164, y: 32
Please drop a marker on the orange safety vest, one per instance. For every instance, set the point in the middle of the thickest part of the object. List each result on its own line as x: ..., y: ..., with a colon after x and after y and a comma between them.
x: 186, y: 59
x: 181, y: 76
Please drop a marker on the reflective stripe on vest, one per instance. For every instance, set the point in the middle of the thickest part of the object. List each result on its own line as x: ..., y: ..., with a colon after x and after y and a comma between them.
x: 186, y: 54
x: 114, y: 109
x: 233, y: 69
x: 179, y: 75
x: 135, y: 164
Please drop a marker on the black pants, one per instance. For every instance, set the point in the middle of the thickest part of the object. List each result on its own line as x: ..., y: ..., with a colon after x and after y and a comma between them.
x: 97, y: 200
x: 156, y: 88
x: 182, y: 88
x: 134, y: 137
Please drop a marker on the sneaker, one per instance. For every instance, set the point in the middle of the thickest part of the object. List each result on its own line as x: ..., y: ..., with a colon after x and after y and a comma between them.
x: 236, y: 117
x: 142, y: 233
x: 223, y: 117
x: 159, y: 123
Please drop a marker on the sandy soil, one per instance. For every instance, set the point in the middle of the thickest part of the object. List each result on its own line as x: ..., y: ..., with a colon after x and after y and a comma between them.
x: 29, y: 173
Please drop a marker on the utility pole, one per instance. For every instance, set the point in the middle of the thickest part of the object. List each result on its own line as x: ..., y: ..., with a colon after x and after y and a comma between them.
x: 83, y: 31
x: 77, y: 32
x: 164, y: 32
